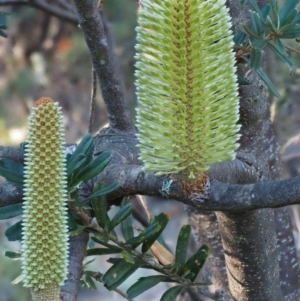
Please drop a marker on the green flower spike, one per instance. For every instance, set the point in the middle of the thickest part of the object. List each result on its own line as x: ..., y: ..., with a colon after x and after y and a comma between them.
x: 45, y: 231
x: 186, y: 87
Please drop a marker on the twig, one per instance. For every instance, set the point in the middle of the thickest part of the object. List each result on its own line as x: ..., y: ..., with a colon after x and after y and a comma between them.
x: 88, y: 222
x: 291, y: 49
x: 99, y: 277
x: 93, y: 100
x: 99, y: 5
x: 65, y: 15
x: 90, y: 21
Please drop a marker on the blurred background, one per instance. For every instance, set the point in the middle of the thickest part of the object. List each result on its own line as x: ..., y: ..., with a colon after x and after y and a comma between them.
x: 47, y: 56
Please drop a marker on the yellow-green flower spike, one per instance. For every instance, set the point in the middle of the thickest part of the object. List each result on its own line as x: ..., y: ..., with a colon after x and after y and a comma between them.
x: 44, y: 228
x: 186, y: 86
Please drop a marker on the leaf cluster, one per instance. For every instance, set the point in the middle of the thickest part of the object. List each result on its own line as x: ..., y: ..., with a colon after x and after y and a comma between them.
x: 80, y: 168
x: 182, y: 271
x: 269, y: 25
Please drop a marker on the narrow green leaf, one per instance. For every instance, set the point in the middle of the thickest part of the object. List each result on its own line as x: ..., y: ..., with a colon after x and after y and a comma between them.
x: 258, y: 43
x: 171, y: 293
x: 86, y: 263
x: 90, y: 282
x: 79, y: 164
x: 255, y: 7
x: 118, y: 273
x: 265, y: 11
x: 291, y: 33
x: 257, y: 27
x: 12, y: 172
x: 144, y: 235
x: 104, y: 243
x: 121, y: 215
x: 239, y: 38
x: 86, y: 146
x: 14, y: 232
x: 103, y: 251
x: 92, y: 169
x: 13, y: 254
x: 90, y: 273
x: 195, y: 263
x: 265, y: 78
x: 145, y: 283
x: 280, y: 47
x: 79, y: 229
x: 288, y: 11
x: 128, y: 257
x: 250, y: 31
x: 71, y: 220
x: 283, y: 57
x: 162, y: 219
x: 255, y: 59
x: 103, y: 237
x: 101, y: 192
x: 100, y: 206
x: 267, y: 81
x: 11, y: 211
x: 126, y: 224
x: 296, y: 19
x: 274, y: 6
x: 182, y: 245
x: 3, y: 34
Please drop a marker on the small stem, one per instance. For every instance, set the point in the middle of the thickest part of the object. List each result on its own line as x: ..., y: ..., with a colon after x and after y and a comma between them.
x: 88, y: 222
x: 291, y: 49
x: 99, y: 5
x: 93, y: 100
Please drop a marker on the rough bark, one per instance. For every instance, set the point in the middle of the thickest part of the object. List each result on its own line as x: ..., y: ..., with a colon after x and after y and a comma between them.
x: 78, y: 245
x: 91, y: 23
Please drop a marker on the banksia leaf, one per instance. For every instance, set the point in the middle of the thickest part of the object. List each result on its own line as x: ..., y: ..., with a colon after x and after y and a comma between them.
x: 45, y: 230
x: 186, y: 87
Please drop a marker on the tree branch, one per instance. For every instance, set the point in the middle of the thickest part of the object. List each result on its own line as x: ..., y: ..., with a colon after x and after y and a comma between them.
x: 91, y: 23
x: 219, y: 197
x: 51, y: 9
x: 78, y: 245
x: 12, y: 152
x: 9, y: 194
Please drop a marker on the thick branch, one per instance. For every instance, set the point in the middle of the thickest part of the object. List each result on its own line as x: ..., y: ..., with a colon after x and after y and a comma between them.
x: 9, y: 194
x: 11, y: 152
x: 51, y: 9
x: 91, y: 23
x: 220, y: 196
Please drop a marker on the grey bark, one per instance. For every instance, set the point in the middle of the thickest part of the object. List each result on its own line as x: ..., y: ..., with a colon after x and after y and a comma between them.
x: 91, y: 23
x: 78, y: 245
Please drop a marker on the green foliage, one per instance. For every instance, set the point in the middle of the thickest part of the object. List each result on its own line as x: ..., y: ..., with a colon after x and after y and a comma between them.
x: 80, y: 168
x: 12, y: 172
x: 16, y: 255
x: 182, y: 271
x: 269, y: 26
x: 3, y: 24
x: 14, y: 232
x: 10, y: 211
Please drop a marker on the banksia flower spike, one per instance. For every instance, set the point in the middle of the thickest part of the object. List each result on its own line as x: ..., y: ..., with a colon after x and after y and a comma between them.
x: 44, y: 228
x: 186, y: 87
